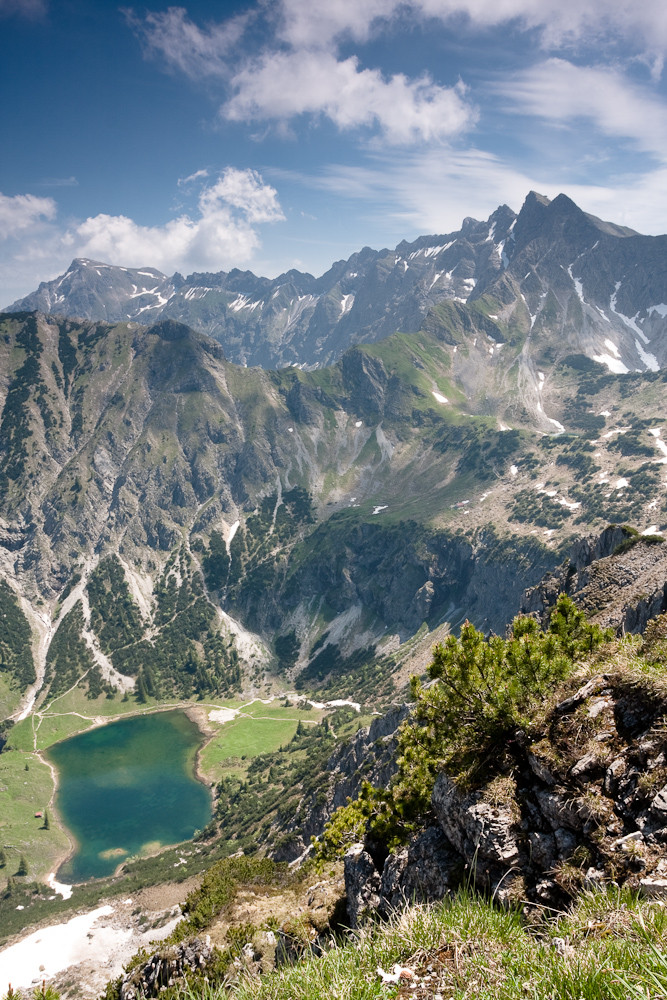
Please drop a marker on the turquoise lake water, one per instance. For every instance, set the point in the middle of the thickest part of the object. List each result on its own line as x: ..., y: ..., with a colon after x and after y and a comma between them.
x: 128, y: 788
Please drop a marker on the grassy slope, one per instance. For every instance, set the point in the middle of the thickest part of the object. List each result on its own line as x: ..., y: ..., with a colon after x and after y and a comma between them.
x: 259, y: 729
x: 22, y: 794
x: 465, y: 947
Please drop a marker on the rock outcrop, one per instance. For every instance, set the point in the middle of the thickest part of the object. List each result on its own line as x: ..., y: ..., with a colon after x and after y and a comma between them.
x: 586, y: 804
x: 618, y: 578
x: 166, y: 968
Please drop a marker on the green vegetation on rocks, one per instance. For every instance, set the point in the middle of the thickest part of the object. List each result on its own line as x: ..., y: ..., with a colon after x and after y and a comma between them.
x: 69, y: 658
x: 15, y: 640
x: 484, y: 694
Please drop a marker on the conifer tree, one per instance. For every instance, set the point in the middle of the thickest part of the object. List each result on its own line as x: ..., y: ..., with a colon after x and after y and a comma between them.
x: 23, y: 866
x: 142, y: 694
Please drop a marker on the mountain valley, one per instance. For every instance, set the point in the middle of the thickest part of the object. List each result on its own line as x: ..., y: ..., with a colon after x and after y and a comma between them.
x: 271, y: 497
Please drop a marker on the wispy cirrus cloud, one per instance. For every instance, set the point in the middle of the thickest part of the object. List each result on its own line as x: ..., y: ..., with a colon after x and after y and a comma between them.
x: 559, y: 23
x: 424, y: 192
x: 32, y: 9
x: 183, y: 45
x: 302, y: 71
x: 198, y: 175
x: 559, y: 91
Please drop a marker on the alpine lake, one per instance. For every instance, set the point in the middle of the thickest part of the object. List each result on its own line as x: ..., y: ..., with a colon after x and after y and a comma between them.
x: 128, y: 789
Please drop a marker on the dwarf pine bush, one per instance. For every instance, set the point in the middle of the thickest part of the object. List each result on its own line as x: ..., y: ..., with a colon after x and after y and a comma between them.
x: 480, y: 699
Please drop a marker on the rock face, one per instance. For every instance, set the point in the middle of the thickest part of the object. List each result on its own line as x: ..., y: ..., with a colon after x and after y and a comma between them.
x: 618, y: 578
x: 587, y: 803
x: 165, y: 968
x: 369, y: 756
x: 362, y: 885
x: 423, y: 871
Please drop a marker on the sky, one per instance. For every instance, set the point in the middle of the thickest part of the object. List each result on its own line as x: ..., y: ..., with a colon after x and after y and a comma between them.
x: 278, y: 134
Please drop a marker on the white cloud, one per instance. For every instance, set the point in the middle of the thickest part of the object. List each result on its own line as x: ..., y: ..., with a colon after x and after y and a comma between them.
x: 22, y: 212
x: 282, y: 85
x: 24, y: 8
x: 196, y: 52
x: 223, y: 232
x: 302, y: 72
x: 557, y: 90
x: 243, y: 190
x: 428, y: 192
x: 317, y: 23
x: 559, y: 22
x: 402, y: 196
x: 198, y: 175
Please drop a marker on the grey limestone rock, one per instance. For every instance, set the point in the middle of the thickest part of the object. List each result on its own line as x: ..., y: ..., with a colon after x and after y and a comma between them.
x: 473, y: 826
x: 659, y: 803
x: 558, y: 810
x: 422, y: 872
x: 165, y: 968
x: 362, y: 885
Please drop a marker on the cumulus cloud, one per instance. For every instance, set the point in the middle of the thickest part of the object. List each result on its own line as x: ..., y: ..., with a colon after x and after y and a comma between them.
x: 280, y: 86
x: 222, y: 231
x: 306, y: 75
x: 22, y: 212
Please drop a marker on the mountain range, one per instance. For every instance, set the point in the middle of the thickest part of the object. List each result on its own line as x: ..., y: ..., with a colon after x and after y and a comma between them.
x: 597, y: 288
x: 223, y: 488
x: 455, y: 412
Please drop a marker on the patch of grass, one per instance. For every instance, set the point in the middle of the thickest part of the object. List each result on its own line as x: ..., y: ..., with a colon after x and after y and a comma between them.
x: 22, y: 794
x: 246, y: 737
x: 9, y: 696
x: 465, y: 947
x: 20, y: 736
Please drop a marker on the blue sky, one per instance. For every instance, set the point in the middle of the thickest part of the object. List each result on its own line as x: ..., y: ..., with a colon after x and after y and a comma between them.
x: 272, y: 134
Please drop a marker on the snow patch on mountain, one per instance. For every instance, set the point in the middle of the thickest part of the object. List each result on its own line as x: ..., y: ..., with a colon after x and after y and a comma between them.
x: 613, y: 364
x: 631, y: 322
x: 649, y: 360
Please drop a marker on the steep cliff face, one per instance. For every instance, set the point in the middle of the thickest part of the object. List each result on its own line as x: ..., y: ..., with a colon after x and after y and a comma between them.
x: 619, y: 578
